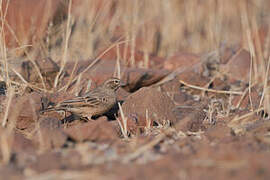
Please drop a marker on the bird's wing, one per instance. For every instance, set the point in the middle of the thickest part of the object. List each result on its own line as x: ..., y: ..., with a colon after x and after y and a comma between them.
x: 96, y: 97
x: 91, y: 99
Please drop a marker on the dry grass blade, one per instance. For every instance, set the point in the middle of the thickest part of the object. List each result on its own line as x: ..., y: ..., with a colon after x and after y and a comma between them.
x: 31, y: 86
x: 72, y: 74
x: 25, y: 83
x: 77, y: 87
x: 64, y: 59
x: 148, y: 120
x: 265, y: 82
x: 246, y: 26
x: 123, y: 124
x: 88, y: 87
x: 245, y: 116
x: 252, y: 54
x: 210, y: 90
x: 5, y: 144
x: 20, y: 76
x: 21, y: 47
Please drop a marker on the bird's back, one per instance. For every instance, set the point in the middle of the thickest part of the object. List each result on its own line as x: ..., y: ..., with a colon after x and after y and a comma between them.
x: 95, y: 102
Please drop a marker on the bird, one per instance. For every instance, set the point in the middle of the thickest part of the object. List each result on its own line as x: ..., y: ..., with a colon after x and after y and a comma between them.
x: 94, y: 103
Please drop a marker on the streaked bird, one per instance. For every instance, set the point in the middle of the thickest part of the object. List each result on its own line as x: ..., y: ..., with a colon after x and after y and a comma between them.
x: 96, y: 102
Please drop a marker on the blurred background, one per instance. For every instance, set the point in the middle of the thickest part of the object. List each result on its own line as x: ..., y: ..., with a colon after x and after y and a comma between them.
x: 148, y: 27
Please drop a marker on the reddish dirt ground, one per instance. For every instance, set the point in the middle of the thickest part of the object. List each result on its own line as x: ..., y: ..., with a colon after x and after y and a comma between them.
x: 184, y: 116
x: 175, y: 131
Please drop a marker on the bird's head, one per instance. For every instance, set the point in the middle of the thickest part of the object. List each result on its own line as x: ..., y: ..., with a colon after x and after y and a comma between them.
x: 113, y: 83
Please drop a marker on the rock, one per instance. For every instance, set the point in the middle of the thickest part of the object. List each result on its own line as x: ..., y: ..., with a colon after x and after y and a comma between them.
x: 10, y: 172
x: 27, y: 107
x: 227, y: 52
x: 173, y: 90
x: 49, y: 135
x: 98, y: 130
x: 188, y: 68
x: 190, y: 116
x: 220, y: 132
x: 244, y: 102
x: 183, y: 60
x: 158, y: 105
x: 21, y: 144
x: 122, y: 94
x: 25, y: 150
x: 47, y: 161
x: 238, y: 66
x: 135, y: 78
x: 47, y: 67
x: 16, y: 147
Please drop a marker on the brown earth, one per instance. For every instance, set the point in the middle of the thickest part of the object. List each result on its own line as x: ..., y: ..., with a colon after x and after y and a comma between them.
x: 175, y: 131
x: 184, y: 116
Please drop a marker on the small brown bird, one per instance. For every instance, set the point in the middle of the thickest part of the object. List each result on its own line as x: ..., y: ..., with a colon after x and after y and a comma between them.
x: 95, y: 102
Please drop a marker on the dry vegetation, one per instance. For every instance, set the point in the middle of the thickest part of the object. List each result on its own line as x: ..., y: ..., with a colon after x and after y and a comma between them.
x: 195, y: 106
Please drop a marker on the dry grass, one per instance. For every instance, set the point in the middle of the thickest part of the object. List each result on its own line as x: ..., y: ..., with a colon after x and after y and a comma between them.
x: 161, y: 28
x: 123, y: 123
x: 153, y: 27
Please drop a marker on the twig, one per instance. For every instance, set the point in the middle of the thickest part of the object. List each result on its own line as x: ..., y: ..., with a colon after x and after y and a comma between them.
x: 210, y: 90
x: 124, y: 121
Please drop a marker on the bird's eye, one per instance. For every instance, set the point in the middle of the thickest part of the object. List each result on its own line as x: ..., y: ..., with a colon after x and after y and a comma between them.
x: 103, y: 99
